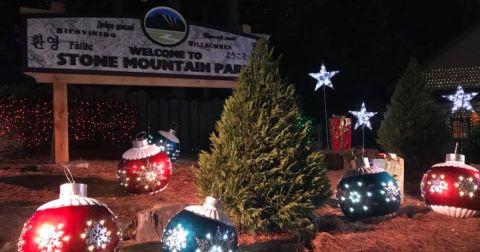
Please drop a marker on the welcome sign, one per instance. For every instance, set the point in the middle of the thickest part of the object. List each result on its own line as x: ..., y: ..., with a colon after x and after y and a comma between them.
x: 159, y: 44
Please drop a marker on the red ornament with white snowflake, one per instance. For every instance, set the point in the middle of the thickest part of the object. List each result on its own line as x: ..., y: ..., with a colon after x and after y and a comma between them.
x: 73, y: 222
x: 144, y: 168
x: 452, y: 188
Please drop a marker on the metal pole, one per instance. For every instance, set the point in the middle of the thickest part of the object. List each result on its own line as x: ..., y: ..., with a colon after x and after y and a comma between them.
x: 148, y: 117
x: 363, y: 137
x: 326, y: 119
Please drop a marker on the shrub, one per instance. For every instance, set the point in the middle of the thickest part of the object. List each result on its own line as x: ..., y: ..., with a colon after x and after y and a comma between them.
x: 260, y: 163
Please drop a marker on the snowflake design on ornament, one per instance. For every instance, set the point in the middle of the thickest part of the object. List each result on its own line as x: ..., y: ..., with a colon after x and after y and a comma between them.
x: 466, y: 186
x: 222, y: 241
x: 176, y: 238
x: 354, y: 199
x: 151, y: 175
x: 390, y: 191
x: 50, y: 238
x: 97, y: 236
x: 437, y: 185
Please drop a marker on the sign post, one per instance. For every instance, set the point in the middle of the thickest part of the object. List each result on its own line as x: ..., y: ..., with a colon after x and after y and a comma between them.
x: 60, y: 119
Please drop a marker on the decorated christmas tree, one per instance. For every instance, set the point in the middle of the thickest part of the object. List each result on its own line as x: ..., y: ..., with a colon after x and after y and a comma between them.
x: 260, y: 164
x: 413, y: 127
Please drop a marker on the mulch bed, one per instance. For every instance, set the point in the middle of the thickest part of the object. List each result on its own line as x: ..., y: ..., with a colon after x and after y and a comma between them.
x: 414, y: 228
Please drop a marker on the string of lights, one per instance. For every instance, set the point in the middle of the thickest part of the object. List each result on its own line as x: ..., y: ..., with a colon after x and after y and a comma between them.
x: 446, y: 78
x: 89, y: 121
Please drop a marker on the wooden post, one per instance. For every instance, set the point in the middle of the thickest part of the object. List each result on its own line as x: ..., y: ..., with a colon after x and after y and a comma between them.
x: 60, y: 121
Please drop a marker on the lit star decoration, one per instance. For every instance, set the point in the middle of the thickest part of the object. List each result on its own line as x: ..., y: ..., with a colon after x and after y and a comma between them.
x: 323, y: 77
x: 461, y: 99
x: 176, y: 238
x: 363, y: 117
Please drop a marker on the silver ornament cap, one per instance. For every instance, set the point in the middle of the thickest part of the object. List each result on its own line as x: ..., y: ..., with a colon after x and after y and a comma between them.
x: 453, y: 157
x: 212, y: 209
x: 211, y: 202
x: 170, y: 135
x: 73, y: 189
x: 362, y: 162
x: 139, y: 143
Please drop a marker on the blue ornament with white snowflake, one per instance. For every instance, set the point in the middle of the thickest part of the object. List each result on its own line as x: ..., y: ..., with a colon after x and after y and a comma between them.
x: 200, y: 228
x: 168, y: 142
x: 367, y: 192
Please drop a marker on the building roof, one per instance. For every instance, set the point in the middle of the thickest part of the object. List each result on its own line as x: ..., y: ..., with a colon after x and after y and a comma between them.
x: 458, y: 63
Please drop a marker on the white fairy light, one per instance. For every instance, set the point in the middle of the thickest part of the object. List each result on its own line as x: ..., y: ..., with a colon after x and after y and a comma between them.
x: 323, y: 77
x: 461, y: 99
x: 363, y: 117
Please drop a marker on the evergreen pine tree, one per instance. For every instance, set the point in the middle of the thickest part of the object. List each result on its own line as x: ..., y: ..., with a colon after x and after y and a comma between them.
x: 413, y: 126
x: 260, y: 164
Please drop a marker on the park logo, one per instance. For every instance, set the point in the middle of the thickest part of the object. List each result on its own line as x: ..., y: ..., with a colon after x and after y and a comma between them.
x: 165, y: 26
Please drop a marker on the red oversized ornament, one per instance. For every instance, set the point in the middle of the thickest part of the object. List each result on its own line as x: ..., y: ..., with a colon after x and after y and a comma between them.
x: 144, y: 168
x: 452, y: 188
x: 73, y: 222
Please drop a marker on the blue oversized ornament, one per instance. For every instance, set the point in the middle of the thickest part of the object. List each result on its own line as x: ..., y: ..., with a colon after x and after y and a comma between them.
x: 200, y: 228
x: 168, y: 142
x: 367, y: 192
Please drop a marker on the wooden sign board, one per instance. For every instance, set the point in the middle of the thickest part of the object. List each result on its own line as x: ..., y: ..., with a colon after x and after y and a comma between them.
x: 159, y: 49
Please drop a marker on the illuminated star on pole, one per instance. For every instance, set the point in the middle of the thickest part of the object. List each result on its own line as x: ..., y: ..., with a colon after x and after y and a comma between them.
x: 461, y: 99
x: 323, y: 77
x: 363, y: 117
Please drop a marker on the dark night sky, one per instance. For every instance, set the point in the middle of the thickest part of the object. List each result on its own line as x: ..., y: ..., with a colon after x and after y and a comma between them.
x: 369, y: 41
